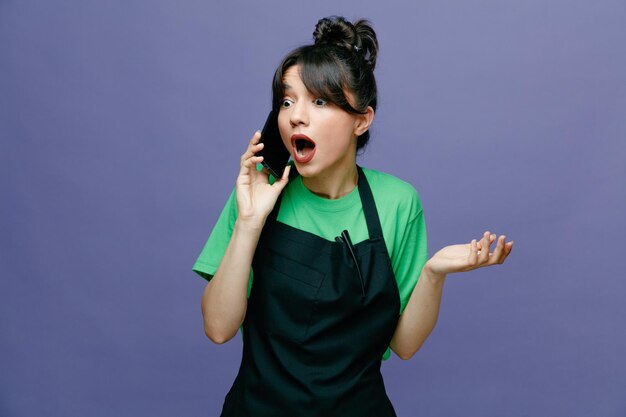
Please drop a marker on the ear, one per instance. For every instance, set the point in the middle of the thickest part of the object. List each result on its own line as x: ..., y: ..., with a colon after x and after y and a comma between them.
x: 364, y: 121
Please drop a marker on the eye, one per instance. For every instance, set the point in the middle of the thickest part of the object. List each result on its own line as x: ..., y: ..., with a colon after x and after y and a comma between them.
x: 286, y: 103
x: 320, y: 102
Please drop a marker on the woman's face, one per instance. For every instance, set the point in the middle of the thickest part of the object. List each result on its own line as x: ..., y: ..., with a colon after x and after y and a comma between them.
x: 320, y: 136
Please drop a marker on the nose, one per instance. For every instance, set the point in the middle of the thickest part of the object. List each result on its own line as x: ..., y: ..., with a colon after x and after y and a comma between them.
x: 299, y: 114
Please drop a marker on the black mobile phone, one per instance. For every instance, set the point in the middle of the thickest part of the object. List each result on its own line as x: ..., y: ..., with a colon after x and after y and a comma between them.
x: 275, y: 154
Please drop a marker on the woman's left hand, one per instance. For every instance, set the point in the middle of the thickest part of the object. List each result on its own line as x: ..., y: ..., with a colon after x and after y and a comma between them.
x: 469, y: 256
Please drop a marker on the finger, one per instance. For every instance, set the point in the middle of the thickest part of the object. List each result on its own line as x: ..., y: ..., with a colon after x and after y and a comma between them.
x: 253, y: 161
x: 282, y: 182
x: 497, y: 257
x: 246, y: 157
x: 255, y: 138
x: 248, y: 167
x: 507, y: 249
x: 253, y: 145
x: 472, y: 259
x: 480, y: 242
x: 508, y: 246
x: 253, y: 149
x: 483, y: 256
x: 286, y: 172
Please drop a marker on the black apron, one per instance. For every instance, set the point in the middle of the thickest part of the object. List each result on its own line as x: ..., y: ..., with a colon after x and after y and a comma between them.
x: 317, y: 323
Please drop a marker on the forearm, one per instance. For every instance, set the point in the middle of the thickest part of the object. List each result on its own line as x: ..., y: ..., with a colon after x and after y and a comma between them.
x: 224, y: 301
x: 420, y: 315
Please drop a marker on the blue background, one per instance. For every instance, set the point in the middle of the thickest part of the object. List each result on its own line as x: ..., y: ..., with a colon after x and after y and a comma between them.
x: 121, y: 126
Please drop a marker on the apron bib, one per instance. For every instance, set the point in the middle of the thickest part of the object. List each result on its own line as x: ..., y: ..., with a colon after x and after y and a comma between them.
x: 320, y: 316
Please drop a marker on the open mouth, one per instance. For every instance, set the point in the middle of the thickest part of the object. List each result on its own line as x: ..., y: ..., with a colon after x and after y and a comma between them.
x: 303, y: 148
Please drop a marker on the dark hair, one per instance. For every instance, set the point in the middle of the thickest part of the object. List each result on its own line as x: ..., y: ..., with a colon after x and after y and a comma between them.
x: 342, y: 59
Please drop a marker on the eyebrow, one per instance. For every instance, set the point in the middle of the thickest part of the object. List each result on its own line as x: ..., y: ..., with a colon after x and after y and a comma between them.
x: 286, y: 86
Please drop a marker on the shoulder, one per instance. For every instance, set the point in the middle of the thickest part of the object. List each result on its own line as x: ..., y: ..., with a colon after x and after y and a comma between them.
x: 392, y: 193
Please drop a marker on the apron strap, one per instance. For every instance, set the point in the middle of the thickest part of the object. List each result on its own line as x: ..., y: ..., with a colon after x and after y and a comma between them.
x: 369, y: 206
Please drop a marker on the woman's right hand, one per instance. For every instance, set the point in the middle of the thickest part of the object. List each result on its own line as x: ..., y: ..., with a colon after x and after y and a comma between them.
x: 255, y: 196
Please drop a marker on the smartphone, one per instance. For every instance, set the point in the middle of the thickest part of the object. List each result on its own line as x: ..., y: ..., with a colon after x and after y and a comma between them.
x: 275, y: 154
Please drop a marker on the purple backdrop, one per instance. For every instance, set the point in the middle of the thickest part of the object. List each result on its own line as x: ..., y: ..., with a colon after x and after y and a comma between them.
x: 121, y: 125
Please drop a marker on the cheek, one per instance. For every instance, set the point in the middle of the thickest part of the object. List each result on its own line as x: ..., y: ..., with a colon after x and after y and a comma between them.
x: 342, y: 127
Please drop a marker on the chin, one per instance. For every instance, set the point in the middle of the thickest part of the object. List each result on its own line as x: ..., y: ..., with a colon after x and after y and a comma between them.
x: 306, y: 170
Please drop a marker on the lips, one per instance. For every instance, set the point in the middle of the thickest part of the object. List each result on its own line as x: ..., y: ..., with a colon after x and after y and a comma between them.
x: 303, y: 148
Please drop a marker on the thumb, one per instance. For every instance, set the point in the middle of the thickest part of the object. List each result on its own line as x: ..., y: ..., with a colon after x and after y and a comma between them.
x: 282, y: 181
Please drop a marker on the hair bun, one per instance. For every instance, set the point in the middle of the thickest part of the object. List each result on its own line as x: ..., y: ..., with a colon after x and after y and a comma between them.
x: 359, y: 38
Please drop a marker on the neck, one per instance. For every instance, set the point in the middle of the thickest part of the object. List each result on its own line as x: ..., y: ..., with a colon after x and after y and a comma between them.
x: 333, y: 187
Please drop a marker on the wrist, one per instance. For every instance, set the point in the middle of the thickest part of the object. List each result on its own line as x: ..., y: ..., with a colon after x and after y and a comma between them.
x: 249, y: 225
x: 433, y: 276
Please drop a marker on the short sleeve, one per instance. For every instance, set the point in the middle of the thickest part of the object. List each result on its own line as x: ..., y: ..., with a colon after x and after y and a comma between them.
x: 211, y: 255
x: 410, y: 256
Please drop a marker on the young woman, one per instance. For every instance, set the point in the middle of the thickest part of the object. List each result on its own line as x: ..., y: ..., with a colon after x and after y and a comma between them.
x: 325, y: 268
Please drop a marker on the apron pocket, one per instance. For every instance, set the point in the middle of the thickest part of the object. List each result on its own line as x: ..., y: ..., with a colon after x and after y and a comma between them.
x: 293, y: 295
